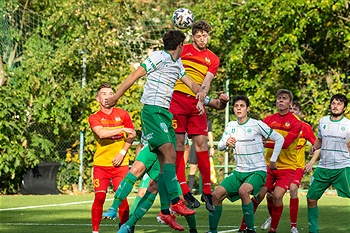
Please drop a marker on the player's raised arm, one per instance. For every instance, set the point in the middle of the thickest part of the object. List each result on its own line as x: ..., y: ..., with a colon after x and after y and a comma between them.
x: 126, y: 84
x: 194, y: 87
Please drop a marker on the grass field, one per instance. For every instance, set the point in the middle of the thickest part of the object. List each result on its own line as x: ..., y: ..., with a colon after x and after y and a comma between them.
x: 71, y: 214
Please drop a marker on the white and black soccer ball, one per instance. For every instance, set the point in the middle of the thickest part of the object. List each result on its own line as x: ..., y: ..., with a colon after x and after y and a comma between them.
x: 183, y: 18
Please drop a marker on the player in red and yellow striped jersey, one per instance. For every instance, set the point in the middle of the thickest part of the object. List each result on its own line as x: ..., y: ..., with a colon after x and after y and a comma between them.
x: 201, y: 65
x: 114, y: 134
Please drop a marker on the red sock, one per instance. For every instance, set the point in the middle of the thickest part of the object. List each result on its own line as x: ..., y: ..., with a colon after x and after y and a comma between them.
x: 255, y: 203
x: 180, y: 171
x: 293, y: 211
x: 97, y: 209
x: 276, y: 216
x: 269, y: 204
x: 124, y: 211
x: 204, y: 168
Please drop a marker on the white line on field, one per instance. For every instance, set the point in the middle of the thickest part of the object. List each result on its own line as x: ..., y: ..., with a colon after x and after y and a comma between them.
x: 53, y: 205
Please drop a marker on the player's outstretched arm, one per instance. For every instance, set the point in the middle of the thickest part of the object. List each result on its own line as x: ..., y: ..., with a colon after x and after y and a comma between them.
x: 128, y: 82
x: 218, y: 104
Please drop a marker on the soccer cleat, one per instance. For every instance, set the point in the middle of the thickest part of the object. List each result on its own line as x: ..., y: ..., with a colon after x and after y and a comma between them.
x: 125, y: 229
x: 193, y: 231
x: 110, y: 214
x: 242, y: 231
x: 191, y: 200
x: 170, y: 220
x: 250, y: 231
x: 208, y: 199
x: 181, y: 209
x: 266, y: 225
x: 294, y: 230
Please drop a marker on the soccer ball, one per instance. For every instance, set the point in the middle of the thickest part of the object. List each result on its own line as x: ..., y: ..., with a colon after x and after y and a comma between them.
x: 183, y: 18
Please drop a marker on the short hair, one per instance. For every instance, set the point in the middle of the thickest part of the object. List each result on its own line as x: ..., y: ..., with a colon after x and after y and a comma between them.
x: 241, y: 97
x: 103, y: 85
x: 201, y: 25
x: 297, y: 104
x: 340, y: 97
x: 172, y: 39
x: 284, y: 91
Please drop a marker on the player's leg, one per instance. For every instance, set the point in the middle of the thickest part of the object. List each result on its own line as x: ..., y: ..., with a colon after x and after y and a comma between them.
x: 283, y: 180
x: 101, y: 183
x: 252, y: 185
x: 141, y: 191
x: 219, y: 194
x: 294, y: 199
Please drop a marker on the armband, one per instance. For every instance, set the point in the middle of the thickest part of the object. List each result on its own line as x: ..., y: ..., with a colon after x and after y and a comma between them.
x: 207, y: 100
x: 123, y: 152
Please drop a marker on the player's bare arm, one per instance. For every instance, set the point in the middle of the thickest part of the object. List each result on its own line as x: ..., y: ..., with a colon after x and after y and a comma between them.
x: 128, y: 82
x: 310, y: 164
x: 200, y: 94
x: 103, y: 132
x: 207, y: 81
x: 316, y: 146
x: 220, y: 103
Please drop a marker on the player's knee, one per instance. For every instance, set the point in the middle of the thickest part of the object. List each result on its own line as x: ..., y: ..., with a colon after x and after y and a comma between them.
x: 137, y: 169
x: 311, y: 203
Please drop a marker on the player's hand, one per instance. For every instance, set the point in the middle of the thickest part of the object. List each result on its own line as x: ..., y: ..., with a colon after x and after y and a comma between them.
x: 273, y: 166
x: 308, y: 167
x: 201, y: 95
x: 118, y: 159
x: 312, y: 150
x: 231, y: 141
x: 200, y: 107
x: 211, y: 151
x: 131, y: 132
x: 110, y: 101
x: 224, y: 98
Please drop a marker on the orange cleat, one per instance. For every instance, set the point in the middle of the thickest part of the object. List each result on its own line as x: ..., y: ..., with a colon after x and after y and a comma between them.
x: 181, y: 209
x: 170, y: 220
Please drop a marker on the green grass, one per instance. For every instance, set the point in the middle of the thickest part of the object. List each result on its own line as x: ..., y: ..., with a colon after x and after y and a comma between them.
x: 52, y: 214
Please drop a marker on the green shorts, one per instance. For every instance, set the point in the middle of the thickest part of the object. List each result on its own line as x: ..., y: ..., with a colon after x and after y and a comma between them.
x: 157, y: 126
x: 150, y: 160
x: 323, y: 178
x: 234, y: 181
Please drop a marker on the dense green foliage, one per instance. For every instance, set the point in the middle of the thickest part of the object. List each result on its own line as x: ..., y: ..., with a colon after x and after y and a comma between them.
x: 263, y: 45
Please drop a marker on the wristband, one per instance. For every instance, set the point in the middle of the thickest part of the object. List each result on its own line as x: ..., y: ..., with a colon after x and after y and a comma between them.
x: 207, y: 100
x: 123, y: 152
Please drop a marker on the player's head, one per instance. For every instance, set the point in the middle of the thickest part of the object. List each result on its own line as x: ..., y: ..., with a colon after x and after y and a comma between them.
x: 296, y: 108
x: 103, y: 91
x: 338, y: 105
x: 201, y: 34
x: 284, y: 99
x: 172, y: 39
x: 241, y: 107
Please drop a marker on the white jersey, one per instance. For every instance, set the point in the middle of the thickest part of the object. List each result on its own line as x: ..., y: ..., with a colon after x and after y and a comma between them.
x: 162, y: 74
x: 249, y: 148
x: 335, y: 136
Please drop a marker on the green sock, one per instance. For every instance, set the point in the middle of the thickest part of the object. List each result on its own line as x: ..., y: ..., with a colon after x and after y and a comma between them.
x: 163, y: 193
x: 124, y: 189
x: 312, y: 217
x: 214, y: 218
x: 134, y: 204
x: 171, y: 180
x: 144, y: 205
x: 248, y: 213
x: 191, y: 220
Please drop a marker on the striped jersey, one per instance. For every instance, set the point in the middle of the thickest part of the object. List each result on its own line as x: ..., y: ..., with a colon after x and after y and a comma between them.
x: 197, y: 64
x: 162, y: 73
x: 108, y: 148
x: 289, y: 126
x: 335, y: 137
x: 249, y: 148
x: 306, y: 134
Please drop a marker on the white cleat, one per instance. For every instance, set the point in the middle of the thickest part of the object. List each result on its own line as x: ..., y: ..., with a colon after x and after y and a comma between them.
x: 266, y: 225
x: 294, y: 230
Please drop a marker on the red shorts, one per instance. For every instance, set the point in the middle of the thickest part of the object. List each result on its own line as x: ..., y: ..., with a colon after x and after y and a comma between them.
x: 299, y: 173
x: 103, y: 176
x: 186, y: 117
x: 281, y: 178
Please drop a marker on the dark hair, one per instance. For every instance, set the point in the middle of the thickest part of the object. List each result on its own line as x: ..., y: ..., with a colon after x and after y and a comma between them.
x: 241, y: 97
x: 284, y: 91
x: 103, y: 85
x: 200, y: 25
x: 297, y: 104
x: 340, y: 97
x: 172, y: 39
